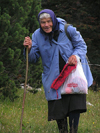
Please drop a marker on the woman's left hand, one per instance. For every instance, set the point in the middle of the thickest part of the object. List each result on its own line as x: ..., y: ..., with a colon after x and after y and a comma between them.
x: 72, y: 60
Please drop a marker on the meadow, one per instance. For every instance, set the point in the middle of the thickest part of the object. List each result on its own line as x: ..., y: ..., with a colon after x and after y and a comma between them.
x: 36, y: 113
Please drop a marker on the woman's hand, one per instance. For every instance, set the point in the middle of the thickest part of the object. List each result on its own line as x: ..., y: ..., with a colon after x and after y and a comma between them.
x: 72, y: 60
x: 27, y: 43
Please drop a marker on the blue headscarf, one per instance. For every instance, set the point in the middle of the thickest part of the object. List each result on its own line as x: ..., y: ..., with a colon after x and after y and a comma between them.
x: 53, y: 17
x: 55, y: 28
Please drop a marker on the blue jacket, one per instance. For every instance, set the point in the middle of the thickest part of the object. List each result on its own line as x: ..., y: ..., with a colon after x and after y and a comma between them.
x: 50, y: 55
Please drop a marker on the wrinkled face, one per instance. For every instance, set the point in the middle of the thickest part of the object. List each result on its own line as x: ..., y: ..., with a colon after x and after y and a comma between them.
x: 46, y: 24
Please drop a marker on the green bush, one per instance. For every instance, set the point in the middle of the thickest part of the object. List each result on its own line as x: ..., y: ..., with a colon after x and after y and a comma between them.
x: 16, y: 21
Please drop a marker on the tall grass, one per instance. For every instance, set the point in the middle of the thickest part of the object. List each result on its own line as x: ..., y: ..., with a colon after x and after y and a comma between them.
x: 36, y: 113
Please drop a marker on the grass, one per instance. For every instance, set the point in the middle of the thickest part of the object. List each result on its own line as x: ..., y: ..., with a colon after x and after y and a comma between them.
x: 36, y: 113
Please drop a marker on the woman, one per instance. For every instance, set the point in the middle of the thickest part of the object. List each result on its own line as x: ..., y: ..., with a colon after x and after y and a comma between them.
x: 51, y: 43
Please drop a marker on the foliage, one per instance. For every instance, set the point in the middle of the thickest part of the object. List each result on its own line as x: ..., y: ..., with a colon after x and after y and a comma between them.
x: 34, y: 78
x: 9, y: 91
x: 16, y: 20
x: 85, y: 16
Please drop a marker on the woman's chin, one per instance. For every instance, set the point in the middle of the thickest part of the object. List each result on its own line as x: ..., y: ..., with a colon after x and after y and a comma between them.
x: 47, y: 31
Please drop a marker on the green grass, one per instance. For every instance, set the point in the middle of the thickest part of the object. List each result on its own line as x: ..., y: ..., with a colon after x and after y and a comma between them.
x: 36, y: 114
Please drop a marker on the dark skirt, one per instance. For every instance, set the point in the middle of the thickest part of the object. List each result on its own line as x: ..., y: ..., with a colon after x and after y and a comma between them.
x: 59, y: 109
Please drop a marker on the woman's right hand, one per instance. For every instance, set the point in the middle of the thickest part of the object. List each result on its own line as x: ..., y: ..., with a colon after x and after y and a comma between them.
x: 27, y: 43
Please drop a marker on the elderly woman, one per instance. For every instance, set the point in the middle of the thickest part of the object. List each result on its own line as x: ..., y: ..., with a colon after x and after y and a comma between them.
x: 51, y: 43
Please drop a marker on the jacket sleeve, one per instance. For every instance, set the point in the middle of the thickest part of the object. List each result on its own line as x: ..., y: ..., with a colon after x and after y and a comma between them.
x: 78, y: 42
x: 34, y: 53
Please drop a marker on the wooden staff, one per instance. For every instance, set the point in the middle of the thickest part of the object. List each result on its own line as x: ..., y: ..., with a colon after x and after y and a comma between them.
x: 24, y: 94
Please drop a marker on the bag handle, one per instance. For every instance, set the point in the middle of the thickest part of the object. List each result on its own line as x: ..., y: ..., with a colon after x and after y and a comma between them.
x: 65, y: 27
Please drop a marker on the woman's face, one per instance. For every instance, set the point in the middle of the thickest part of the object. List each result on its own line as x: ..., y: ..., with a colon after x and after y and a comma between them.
x: 46, y: 24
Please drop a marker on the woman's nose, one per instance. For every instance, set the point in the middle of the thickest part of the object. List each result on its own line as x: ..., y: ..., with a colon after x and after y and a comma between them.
x: 46, y: 24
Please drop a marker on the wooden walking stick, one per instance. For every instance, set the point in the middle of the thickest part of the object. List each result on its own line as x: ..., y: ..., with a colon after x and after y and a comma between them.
x: 24, y: 94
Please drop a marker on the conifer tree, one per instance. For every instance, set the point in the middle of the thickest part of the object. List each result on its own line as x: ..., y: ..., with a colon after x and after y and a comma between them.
x: 16, y: 19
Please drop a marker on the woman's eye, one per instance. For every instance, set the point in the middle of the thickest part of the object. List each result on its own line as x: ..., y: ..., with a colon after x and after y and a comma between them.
x: 49, y: 21
x: 42, y: 22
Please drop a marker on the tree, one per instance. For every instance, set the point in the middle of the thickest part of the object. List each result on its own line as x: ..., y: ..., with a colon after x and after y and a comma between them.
x: 15, y: 24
